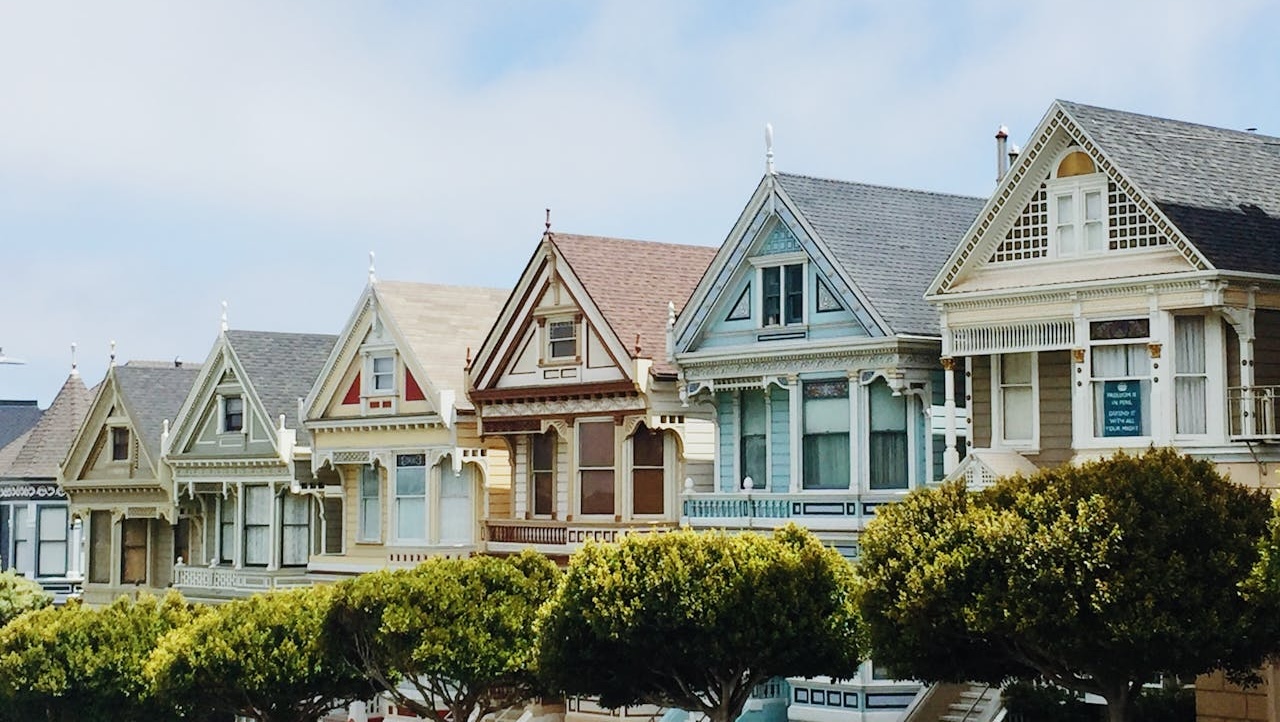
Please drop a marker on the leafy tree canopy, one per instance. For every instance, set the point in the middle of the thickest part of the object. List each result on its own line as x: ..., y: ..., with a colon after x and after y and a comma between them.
x: 75, y: 663
x: 696, y: 620
x: 460, y: 632
x: 263, y: 657
x: 1096, y: 577
x: 19, y: 594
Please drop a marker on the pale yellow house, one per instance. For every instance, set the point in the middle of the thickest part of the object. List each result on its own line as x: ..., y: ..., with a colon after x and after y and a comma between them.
x: 117, y: 483
x: 576, y: 378
x: 395, y: 452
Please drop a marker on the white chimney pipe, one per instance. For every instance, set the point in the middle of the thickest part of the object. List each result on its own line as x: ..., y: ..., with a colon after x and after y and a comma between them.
x: 1002, y: 153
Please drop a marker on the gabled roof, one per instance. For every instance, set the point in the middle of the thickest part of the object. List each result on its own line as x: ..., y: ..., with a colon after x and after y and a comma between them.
x: 1220, y: 187
x: 440, y: 323
x: 888, y: 241
x: 631, y: 283
x: 48, y: 442
x: 16, y: 419
x: 153, y: 392
x: 281, y: 368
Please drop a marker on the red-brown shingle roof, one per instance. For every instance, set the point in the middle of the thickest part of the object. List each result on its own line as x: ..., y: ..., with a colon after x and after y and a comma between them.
x: 631, y: 283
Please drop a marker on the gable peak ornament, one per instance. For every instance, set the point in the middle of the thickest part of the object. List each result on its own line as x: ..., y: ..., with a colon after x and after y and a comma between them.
x: 768, y: 149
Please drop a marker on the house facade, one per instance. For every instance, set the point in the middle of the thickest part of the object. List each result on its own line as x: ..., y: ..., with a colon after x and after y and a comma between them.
x: 38, y: 536
x: 575, y: 380
x: 240, y: 463
x: 1121, y: 289
x: 119, y: 486
x: 399, y: 468
x: 809, y: 340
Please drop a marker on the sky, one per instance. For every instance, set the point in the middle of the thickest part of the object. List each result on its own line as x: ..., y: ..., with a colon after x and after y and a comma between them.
x: 158, y: 158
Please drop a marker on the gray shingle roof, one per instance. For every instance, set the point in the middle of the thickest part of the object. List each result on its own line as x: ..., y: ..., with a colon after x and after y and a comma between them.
x: 1220, y: 187
x: 890, y: 241
x: 282, y: 367
x: 151, y: 394
x: 16, y: 419
x: 47, y: 444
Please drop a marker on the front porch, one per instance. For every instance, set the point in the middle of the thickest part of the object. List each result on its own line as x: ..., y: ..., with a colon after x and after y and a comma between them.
x: 218, y: 584
x: 559, y: 538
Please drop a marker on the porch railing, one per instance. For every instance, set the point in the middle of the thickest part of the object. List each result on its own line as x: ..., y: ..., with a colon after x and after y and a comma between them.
x: 1252, y: 411
x: 847, y: 510
x: 225, y: 580
x: 543, y: 533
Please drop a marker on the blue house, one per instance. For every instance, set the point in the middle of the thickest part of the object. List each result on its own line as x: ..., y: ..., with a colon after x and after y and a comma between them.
x: 810, y: 340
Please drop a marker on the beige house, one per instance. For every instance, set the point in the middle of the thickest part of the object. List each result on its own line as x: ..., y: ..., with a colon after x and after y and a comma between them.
x: 117, y: 483
x: 394, y: 445
x: 575, y: 378
x: 1121, y: 288
x: 241, y: 468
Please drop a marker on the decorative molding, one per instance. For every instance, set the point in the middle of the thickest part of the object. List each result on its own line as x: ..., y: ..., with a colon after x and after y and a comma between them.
x: 780, y: 240
x: 31, y: 491
x: 568, y: 407
x: 736, y: 371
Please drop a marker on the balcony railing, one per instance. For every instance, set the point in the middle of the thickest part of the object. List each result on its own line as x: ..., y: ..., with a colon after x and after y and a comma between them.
x: 1252, y: 412
x: 229, y: 582
x: 560, y: 535
x: 837, y: 511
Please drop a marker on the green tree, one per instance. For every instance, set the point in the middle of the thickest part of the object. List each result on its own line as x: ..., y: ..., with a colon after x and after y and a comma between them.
x: 1095, y: 577
x: 696, y: 620
x: 460, y: 632
x: 264, y: 657
x: 75, y: 663
x: 18, y: 595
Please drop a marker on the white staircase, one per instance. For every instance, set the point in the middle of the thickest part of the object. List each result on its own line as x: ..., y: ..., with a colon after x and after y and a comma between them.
x: 975, y: 703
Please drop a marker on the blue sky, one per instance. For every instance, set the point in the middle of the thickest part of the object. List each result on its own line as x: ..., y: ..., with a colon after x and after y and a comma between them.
x: 157, y: 158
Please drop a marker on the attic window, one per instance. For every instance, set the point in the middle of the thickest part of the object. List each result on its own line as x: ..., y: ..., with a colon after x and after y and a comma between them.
x: 119, y: 444
x: 783, y: 298
x: 232, y: 414
x: 384, y: 374
x: 1074, y: 164
x: 562, y: 339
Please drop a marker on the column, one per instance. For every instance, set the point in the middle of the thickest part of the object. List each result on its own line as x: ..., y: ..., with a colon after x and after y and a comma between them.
x: 950, y: 456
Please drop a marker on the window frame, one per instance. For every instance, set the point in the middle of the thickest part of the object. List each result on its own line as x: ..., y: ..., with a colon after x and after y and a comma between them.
x: 397, y: 497
x: 532, y: 471
x: 997, y: 403
x: 368, y: 472
x: 804, y: 433
x: 116, y: 433
x: 227, y: 414
x: 637, y: 466
x: 1213, y: 342
x: 62, y: 540
x: 780, y: 265
x: 762, y: 483
x: 374, y: 374
x: 145, y: 546
x: 910, y: 409
x: 549, y: 341
x: 1077, y: 188
x: 273, y: 501
x: 580, y: 467
x: 1089, y: 395
x: 286, y: 526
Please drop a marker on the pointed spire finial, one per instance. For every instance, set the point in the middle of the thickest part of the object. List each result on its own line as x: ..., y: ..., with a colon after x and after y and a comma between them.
x: 75, y: 369
x: 113, y: 352
x: 768, y: 148
x: 548, y: 220
x: 224, y: 317
x: 372, y: 277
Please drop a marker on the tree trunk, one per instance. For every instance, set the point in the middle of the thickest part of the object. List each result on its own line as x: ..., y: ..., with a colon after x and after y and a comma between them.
x: 1119, y: 701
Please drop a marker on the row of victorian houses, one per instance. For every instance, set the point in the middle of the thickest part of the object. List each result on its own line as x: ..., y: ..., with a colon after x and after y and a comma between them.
x: 847, y: 343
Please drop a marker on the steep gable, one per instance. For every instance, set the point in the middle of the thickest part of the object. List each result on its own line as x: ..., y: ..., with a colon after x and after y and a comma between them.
x: 46, y: 444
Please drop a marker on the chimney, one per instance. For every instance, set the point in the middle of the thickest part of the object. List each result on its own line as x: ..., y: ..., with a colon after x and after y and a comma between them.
x: 177, y: 362
x: 1014, y: 152
x: 1002, y: 153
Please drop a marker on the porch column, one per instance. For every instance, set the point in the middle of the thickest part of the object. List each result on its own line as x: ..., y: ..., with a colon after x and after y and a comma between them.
x: 797, y: 433
x: 75, y: 550
x: 950, y: 456
x: 274, y: 543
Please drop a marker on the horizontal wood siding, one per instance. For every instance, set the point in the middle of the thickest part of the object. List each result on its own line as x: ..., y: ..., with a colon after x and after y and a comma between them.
x: 979, y: 401
x: 1055, y: 409
x: 728, y: 432
x: 699, y: 454
x: 780, y: 439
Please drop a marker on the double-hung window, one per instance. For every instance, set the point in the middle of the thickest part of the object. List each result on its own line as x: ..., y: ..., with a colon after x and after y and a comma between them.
x: 1120, y: 374
x: 1017, y: 398
x: 562, y: 340
x: 595, y: 466
x: 133, y: 559
x: 457, y: 513
x: 232, y: 414
x: 1190, y: 375
x: 752, y: 441
x: 119, y: 443
x: 295, y: 530
x: 782, y: 294
x: 258, y: 509
x: 22, y: 543
x: 370, y: 506
x: 227, y: 530
x: 826, y: 434
x: 889, y: 449
x: 1078, y: 207
x: 411, y: 497
x: 542, y: 472
x: 51, y: 533
x: 647, y: 471
x: 100, y: 547
x: 383, y: 374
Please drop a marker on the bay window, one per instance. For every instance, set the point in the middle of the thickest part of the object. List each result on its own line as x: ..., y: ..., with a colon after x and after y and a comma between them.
x: 595, y: 466
x: 411, y: 497
x: 752, y: 422
x: 648, y: 466
x: 370, y: 505
x: 825, y: 448
x: 542, y: 472
x: 295, y: 530
x: 457, y: 514
x: 1120, y: 376
x: 258, y: 509
x: 1190, y: 375
x: 888, y: 451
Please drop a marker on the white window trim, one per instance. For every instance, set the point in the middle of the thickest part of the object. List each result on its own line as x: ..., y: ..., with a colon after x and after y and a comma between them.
x: 222, y: 414
x: 618, y: 460
x: 579, y: 338
x: 394, y: 497
x: 362, y: 534
x: 530, y: 470
x: 1077, y: 187
x: 371, y: 357
x: 1215, y: 372
x: 779, y: 262
x: 1082, y: 407
x: 997, y: 406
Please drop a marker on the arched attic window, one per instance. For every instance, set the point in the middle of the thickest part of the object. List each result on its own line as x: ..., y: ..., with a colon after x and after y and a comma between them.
x: 1077, y: 207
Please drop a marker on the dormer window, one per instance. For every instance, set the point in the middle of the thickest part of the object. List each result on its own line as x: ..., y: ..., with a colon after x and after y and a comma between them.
x: 383, y: 374
x: 232, y: 414
x: 562, y: 340
x: 1077, y: 207
x: 782, y: 298
x: 119, y: 444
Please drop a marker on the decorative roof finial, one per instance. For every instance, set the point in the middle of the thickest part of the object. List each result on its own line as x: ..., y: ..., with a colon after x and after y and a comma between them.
x: 223, y: 325
x: 113, y: 353
x: 768, y: 148
x: 372, y: 277
x: 548, y: 220
x: 671, y: 314
x: 75, y: 369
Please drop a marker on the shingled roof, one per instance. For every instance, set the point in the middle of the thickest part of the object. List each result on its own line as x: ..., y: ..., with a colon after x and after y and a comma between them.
x: 44, y: 448
x: 16, y: 419
x: 889, y: 241
x: 281, y: 367
x: 631, y: 282
x: 1220, y: 187
x: 440, y: 323
x: 153, y: 392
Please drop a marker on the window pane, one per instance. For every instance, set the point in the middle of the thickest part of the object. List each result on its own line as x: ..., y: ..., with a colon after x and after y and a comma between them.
x: 257, y: 545
x: 1188, y: 341
x: 1066, y: 240
x: 888, y: 456
x: 888, y: 412
x: 597, y: 492
x: 826, y: 461
x: 133, y: 564
x: 543, y: 493
x: 1093, y: 236
x: 595, y: 444
x: 382, y: 364
x: 772, y: 287
x: 257, y: 505
x: 1093, y: 206
x: 753, y: 461
x: 53, y: 523
x: 370, y: 519
x: 795, y: 292
x: 456, y: 512
x: 332, y: 525
x: 1015, y: 368
x: 826, y: 406
x: 1189, y: 404
x: 100, y: 547
x: 751, y: 411
x: 647, y: 487
x: 543, y: 451
x: 411, y: 518
x: 294, y: 551
x: 1017, y: 413
x: 297, y: 509
x: 1066, y: 209
x: 411, y: 481
x: 646, y: 447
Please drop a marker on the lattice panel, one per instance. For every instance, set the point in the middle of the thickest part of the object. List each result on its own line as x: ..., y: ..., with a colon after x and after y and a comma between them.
x: 1127, y: 225
x: 1029, y: 237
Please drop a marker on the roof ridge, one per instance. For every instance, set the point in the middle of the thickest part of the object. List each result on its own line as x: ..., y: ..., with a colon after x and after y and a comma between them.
x: 427, y: 284
x: 616, y: 239
x: 1245, y: 133
x: 881, y: 186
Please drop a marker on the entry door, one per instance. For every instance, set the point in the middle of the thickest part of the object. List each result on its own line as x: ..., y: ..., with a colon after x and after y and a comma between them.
x: 457, y: 511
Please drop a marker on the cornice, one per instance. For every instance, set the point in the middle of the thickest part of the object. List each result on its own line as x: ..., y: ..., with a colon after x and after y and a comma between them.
x: 1068, y: 293
x: 367, y: 423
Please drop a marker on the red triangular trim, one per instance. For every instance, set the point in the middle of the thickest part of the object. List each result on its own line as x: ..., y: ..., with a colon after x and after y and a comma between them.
x: 412, y: 392
x: 353, y: 393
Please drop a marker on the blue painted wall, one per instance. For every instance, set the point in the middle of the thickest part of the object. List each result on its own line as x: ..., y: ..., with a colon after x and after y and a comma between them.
x: 780, y: 439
